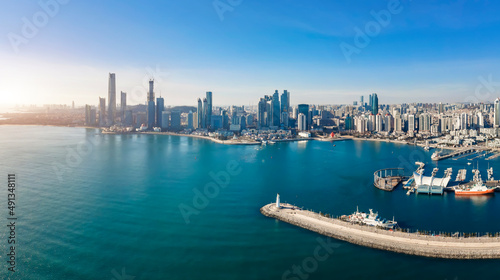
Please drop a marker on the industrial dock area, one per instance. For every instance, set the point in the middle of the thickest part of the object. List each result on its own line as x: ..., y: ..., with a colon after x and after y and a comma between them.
x: 435, y: 246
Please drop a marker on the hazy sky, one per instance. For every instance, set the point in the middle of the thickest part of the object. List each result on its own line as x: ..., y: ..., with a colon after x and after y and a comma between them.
x: 425, y: 51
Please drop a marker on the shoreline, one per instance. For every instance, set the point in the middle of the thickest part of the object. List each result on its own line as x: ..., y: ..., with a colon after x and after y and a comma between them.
x: 399, y: 242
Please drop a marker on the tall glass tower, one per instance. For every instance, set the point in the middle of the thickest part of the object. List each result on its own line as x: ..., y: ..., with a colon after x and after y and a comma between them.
x: 208, y: 115
x: 111, y: 99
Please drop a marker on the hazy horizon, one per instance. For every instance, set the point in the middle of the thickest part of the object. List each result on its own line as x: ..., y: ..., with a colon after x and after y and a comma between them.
x: 417, y: 52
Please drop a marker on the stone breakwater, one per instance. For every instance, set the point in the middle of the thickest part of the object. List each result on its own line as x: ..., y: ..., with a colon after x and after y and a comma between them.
x: 400, y: 242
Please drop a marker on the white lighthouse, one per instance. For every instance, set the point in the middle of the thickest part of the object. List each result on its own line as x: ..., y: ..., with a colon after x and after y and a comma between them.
x: 278, y: 201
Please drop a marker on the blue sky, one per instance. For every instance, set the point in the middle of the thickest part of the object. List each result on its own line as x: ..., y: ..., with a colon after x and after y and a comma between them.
x: 428, y: 51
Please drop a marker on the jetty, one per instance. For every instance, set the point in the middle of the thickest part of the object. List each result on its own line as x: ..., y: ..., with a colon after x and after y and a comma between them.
x: 454, y: 154
x: 388, y: 179
x: 447, y: 247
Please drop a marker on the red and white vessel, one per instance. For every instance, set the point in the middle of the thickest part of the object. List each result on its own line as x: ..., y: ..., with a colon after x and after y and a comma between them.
x: 478, y: 188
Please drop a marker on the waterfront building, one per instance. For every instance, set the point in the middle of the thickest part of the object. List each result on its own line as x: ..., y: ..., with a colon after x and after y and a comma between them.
x: 208, y: 110
x: 102, y: 111
x: 111, y: 99
x: 151, y: 110
x: 304, y: 109
x: 199, y: 114
x: 123, y: 104
x: 496, y: 120
x: 302, y: 122
x: 175, y: 120
x: 190, y: 120
x: 372, y: 122
x: 195, y: 120
x: 276, y: 110
x: 160, y: 106
x: 90, y: 116
x: 151, y: 114
x: 411, y: 123
x: 205, y: 113
x: 285, y: 107
x: 217, y: 122
x: 295, y: 112
x: 388, y: 123
x: 378, y: 122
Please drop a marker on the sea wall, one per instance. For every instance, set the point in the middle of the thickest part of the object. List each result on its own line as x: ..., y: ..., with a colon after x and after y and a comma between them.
x: 400, y: 242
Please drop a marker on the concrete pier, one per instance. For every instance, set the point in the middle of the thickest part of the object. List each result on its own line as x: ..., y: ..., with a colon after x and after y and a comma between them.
x: 400, y: 242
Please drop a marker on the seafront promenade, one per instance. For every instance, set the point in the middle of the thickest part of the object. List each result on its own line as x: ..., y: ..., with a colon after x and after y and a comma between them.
x: 400, y: 242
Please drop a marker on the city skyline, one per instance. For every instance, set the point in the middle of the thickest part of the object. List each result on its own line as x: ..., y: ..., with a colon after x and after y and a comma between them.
x: 417, y: 56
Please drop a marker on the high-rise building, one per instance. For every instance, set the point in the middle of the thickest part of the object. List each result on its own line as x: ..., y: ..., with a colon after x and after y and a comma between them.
x: 378, y: 122
x: 123, y: 104
x: 208, y: 114
x: 205, y: 113
x: 102, y: 111
x: 261, y: 113
x: 276, y: 114
x: 111, y: 99
x: 362, y: 101
x: 175, y: 120
x: 496, y: 120
x: 374, y: 104
x: 411, y: 123
x: 151, y: 114
x: 304, y: 109
x: 128, y: 120
x: 285, y: 107
x: 160, y: 106
x: 302, y: 122
x: 199, y: 114
x: 441, y: 108
x: 90, y: 115
x: 190, y: 122
x: 165, y: 120
x: 151, y: 92
x: 370, y: 101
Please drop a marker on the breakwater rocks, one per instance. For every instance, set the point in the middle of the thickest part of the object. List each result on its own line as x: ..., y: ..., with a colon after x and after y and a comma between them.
x: 400, y: 242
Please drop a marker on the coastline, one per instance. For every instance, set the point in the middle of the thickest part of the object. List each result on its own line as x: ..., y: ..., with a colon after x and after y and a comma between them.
x: 399, y: 242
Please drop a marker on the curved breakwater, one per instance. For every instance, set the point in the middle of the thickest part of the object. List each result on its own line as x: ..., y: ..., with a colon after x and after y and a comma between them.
x: 400, y: 242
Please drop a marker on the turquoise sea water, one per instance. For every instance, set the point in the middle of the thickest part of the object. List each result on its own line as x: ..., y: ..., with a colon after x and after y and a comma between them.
x: 93, y: 206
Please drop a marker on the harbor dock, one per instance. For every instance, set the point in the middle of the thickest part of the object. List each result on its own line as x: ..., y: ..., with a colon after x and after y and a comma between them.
x: 395, y: 241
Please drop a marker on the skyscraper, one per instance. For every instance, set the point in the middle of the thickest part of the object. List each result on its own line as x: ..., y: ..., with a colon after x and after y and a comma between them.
x: 151, y: 92
x: 302, y: 122
x: 159, y: 109
x: 496, y: 121
x: 362, y: 101
x: 123, y: 104
x: 304, y: 109
x: 199, y: 114
x: 208, y: 115
x: 285, y: 107
x: 261, y: 113
x: 276, y: 116
x: 151, y: 105
x: 205, y: 113
x: 102, y: 111
x: 111, y: 99
x: 374, y: 104
x: 190, y: 120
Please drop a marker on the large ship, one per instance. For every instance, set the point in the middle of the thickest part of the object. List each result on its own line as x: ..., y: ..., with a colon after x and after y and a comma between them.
x: 477, y: 188
x: 372, y: 219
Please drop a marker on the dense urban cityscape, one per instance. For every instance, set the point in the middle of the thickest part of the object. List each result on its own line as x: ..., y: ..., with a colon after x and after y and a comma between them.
x: 275, y: 119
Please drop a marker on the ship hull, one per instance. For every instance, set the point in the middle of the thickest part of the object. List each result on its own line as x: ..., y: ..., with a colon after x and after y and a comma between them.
x: 474, y: 192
